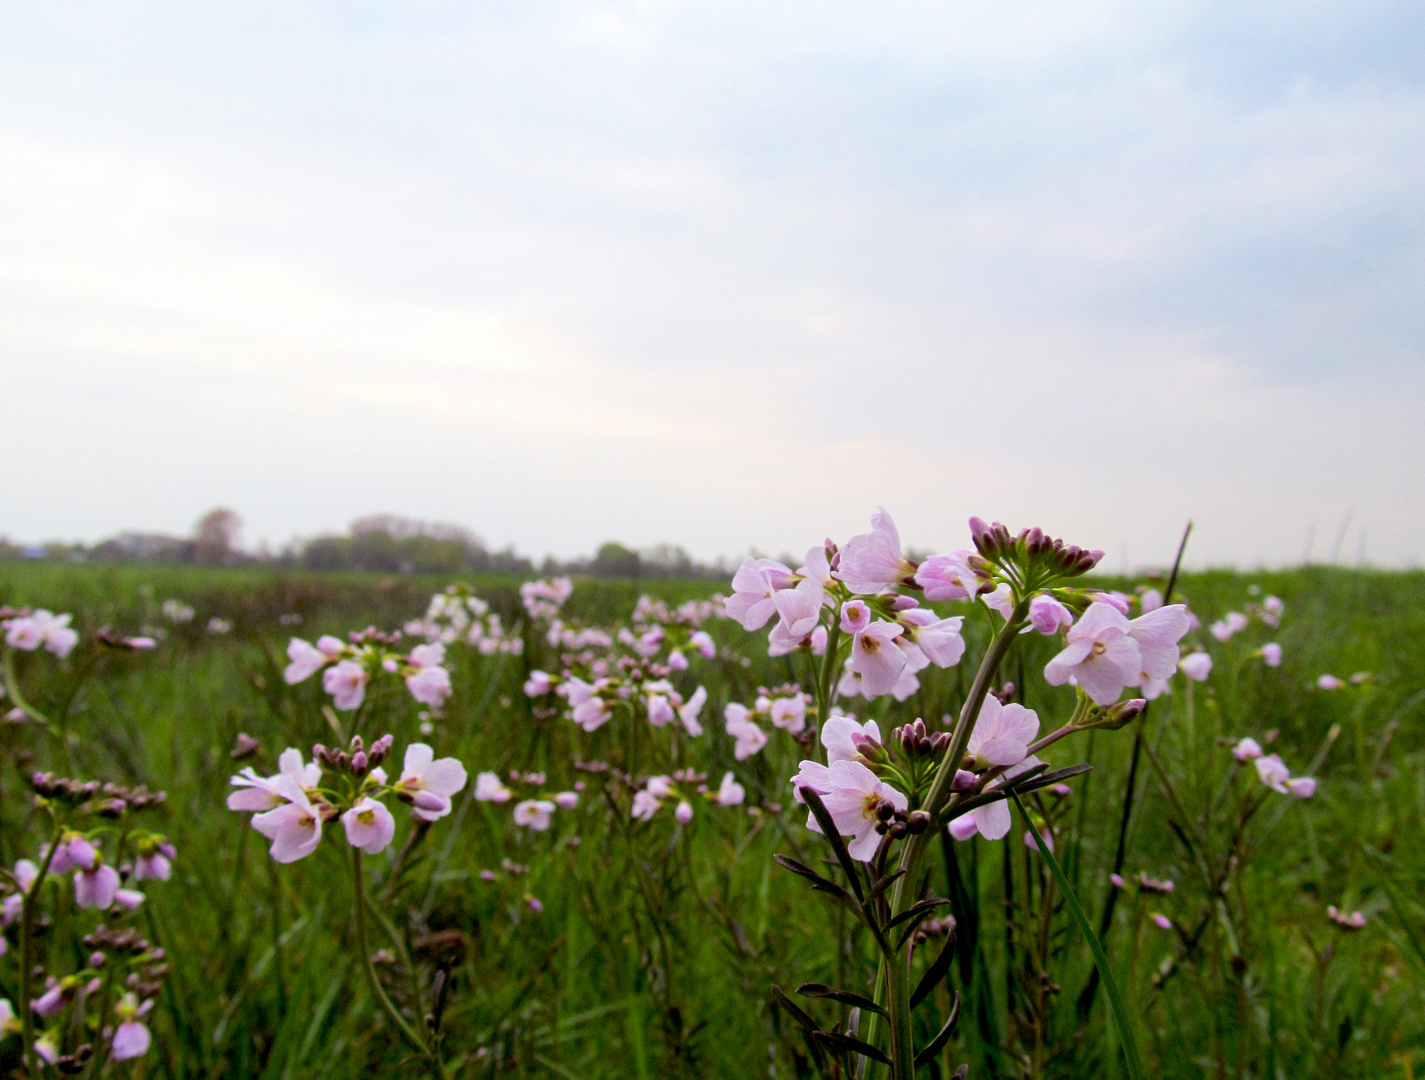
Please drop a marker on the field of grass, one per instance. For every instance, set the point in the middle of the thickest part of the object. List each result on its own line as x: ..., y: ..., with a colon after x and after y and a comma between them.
x: 653, y: 947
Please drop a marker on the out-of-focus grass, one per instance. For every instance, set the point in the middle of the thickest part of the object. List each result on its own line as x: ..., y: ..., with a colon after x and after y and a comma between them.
x: 656, y: 947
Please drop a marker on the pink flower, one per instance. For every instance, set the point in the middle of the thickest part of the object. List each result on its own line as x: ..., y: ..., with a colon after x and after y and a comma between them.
x: 1157, y: 634
x: 369, y: 826
x: 74, y: 851
x: 843, y: 737
x: 42, y: 627
x: 1225, y: 628
x: 937, y: 640
x: 295, y: 827
x: 1303, y: 787
x: 1197, y: 666
x: 1271, y: 654
x: 993, y: 820
x: 1047, y: 837
x: 688, y: 712
x: 1153, y: 689
x: 1001, y: 600
x: 128, y: 899
x: 749, y: 737
x: 23, y: 633
x: 567, y: 800
x: 489, y: 788
x: 538, y: 684
x: 1247, y: 749
x: 95, y: 887
x: 1329, y: 682
x: 534, y: 813
x: 306, y: 659
x: 703, y: 642
x: 1273, y: 772
x: 1162, y: 922
x: 855, y: 616
x: 800, y: 608
x: 346, y: 683
x: 753, y: 586
x: 730, y: 793
x: 875, y: 658
x: 1002, y: 734
x: 1272, y: 608
x: 684, y: 812
x: 430, y: 685
x: 1100, y: 655
x: 677, y: 661
x: 645, y: 805
x: 950, y: 577
x: 789, y: 713
x: 263, y: 793
x: 152, y: 867
x: 429, y: 783
x: 592, y: 714
x: 131, y: 1037
x: 1150, y: 600
x: 872, y: 562
x: 53, y: 1000
x: 1047, y: 615
x: 854, y: 795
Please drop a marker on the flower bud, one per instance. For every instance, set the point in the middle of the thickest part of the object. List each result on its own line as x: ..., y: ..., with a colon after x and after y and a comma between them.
x: 917, y: 821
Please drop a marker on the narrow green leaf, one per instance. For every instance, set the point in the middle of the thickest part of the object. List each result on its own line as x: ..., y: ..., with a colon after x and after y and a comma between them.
x: 1100, y: 958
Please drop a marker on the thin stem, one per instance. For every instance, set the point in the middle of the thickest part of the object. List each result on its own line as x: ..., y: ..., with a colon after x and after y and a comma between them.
x: 27, y: 918
x: 898, y: 1005
x: 377, y: 990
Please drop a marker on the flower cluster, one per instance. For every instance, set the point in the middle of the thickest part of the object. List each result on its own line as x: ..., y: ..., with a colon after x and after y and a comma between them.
x: 348, y: 667
x: 458, y: 615
x: 290, y: 807
x: 545, y: 598
x: 1104, y: 652
x: 783, y: 707
x: 1273, y: 770
x: 680, y: 789
x: 534, y: 813
x: 28, y: 630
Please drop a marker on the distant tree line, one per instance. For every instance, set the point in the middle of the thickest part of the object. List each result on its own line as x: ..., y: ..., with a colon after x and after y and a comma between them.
x: 381, y: 542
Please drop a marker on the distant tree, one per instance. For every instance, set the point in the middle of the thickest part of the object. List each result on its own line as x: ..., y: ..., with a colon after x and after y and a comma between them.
x: 327, y: 553
x: 215, y: 537
x: 615, y: 560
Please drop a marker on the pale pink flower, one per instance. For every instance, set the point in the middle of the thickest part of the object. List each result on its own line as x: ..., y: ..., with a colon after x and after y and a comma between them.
x: 295, y: 827
x: 677, y: 661
x: 592, y: 714
x: 1162, y: 922
x: 1224, y: 628
x: 660, y: 786
x: 1001, y: 600
x: 306, y: 659
x: 1247, y: 749
x: 23, y: 633
x: 649, y: 643
x: 683, y: 813
x: 95, y: 888
x: 534, y: 813
x: 152, y: 867
x: 993, y: 820
x: 131, y: 1037
x: 753, y: 586
x: 789, y: 713
x: 749, y: 737
x: 816, y: 566
x: 74, y: 852
x: 53, y: 1001
x: 1002, y: 734
x: 1303, y: 787
x: 430, y: 685
x: 429, y: 655
x: 567, y: 800
x: 906, y: 685
x: 1150, y: 600
x: 1099, y: 655
x: 538, y: 684
x: 872, y: 562
x: 1153, y: 689
x: 800, y: 608
x: 128, y: 899
x: 1273, y: 772
x: 490, y: 788
x: 1330, y: 682
x: 937, y: 639
x: 1271, y: 654
x: 346, y: 683
x: 660, y: 707
x: 876, y: 659
x: 429, y: 783
x: 730, y: 792
x: 1197, y: 666
x: 688, y: 711
x: 1272, y: 608
x: 1046, y: 836
x: 369, y: 826
x: 44, y: 626
x: 1048, y: 616
x: 855, y: 616
x: 854, y: 795
x: 263, y: 793
x: 703, y: 642
x: 1157, y: 634
x: 843, y: 737
x: 645, y: 805
x: 950, y: 577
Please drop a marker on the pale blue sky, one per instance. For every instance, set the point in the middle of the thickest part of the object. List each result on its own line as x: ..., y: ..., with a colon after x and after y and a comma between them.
x: 722, y: 275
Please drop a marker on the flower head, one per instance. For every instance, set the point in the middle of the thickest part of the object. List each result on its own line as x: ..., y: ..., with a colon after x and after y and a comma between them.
x: 730, y: 792
x: 534, y: 813
x: 872, y: 562
x: 854, y: 795
x: 1002, y: 734
x: 295, y: 827
x: 95, y: 887
x: 427, y: 783
x: 369, y: 826
x: 346, y: 683
x: 1100, y: 655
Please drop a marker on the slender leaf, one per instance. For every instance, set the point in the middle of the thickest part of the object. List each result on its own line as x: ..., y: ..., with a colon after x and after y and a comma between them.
x: 833, y: 837
x: 882, y: 884
x: 1100, y: 958
x: 846, y: 997
x: 821, y: 884
x: 938, y: 1043
x: 923, y: 907
x: 793, y: 1009
x: 935, y: 972
x: 847, y: 1045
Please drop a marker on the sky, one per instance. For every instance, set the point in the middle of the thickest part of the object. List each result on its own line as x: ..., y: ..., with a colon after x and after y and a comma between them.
x: 729, y: 275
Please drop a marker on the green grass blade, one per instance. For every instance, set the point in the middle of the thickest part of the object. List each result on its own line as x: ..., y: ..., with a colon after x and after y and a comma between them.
x: 1100, y: 958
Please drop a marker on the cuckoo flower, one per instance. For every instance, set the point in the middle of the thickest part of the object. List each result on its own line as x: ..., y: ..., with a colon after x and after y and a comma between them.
x: 95, y: 887
x: 876, y: 659
x: 295, y: 827
x: 1002, y: 734
x: 131, y: 1037
x: 854, y: 794
x: 937, y: 639
x: 369, y: 826
x: 730, y: 792
x: 1197, y: 666
x: 872, y: 562
x: 430, y: 686
x: 749, y: 737
x: 1247, y: 749
x: 855, y: 616
x: 428, y: 783
x: 346, y: 683
x: 952, y: 577
x: 1271, y: 654
x: 800, y: 608
x: 263, y: 793
x: 489, y: 788
x: 306, y: 660
x: 753, y: 587
x: 1099, y: 655
x: 1048, y: 616
x: 844, y: 737
x: 789, y: 713
x: 1157, y: 634
x: 992, y: 821
x: 688, y: 711
x: 534, y: 813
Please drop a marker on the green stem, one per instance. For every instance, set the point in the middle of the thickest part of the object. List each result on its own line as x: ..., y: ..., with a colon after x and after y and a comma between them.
x: 898, y: 1005
x: 827, y: 676
x: 377, y: 990
x: 27, y: 918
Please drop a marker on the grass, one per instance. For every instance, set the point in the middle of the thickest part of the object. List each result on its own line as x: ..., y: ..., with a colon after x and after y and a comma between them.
x: 657, y: 946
